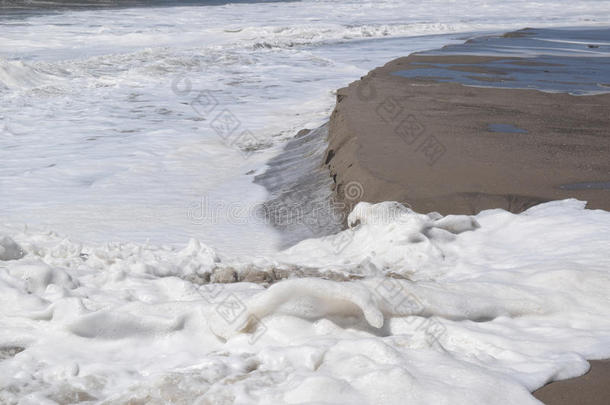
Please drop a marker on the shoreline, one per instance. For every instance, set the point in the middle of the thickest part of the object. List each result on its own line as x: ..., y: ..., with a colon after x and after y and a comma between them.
x: 299, y: 204
x: 438, y: 145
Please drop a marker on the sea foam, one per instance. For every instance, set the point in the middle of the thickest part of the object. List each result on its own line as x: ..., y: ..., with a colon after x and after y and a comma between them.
x: 504, y: 305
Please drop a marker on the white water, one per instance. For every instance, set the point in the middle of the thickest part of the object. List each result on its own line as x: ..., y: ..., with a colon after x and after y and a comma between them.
x: 100, y: 142
x: 488, y: 309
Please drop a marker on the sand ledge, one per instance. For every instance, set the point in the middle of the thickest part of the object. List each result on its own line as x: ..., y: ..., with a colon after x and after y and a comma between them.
x: 456, y: 149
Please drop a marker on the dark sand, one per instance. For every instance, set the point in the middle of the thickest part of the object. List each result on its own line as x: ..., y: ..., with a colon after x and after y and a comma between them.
x: 591, y: 389
x: 410, y: 131
x: 443, y: 146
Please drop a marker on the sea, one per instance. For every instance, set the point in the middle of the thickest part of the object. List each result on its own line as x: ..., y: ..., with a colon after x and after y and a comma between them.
x: 135, y: 264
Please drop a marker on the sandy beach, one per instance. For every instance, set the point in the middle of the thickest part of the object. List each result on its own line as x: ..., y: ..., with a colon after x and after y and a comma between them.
x: 183, y: 222
x: 437, y: 145
x: 412, y: 132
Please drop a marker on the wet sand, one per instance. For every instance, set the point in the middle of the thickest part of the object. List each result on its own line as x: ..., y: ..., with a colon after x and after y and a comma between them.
x: 591, y: 389
x: 431, y: 142
x: 300, y: 203
x: 468, y: 128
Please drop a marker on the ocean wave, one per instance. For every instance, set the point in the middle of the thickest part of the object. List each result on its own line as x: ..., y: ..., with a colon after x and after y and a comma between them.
x: 302, y: 35
x: 17, y: 75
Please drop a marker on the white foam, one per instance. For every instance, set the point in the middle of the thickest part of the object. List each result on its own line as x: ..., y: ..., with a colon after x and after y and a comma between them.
x: 104, y: 138
x: 506, y: 304
x: 107, y: 141
x: 16, y: 74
